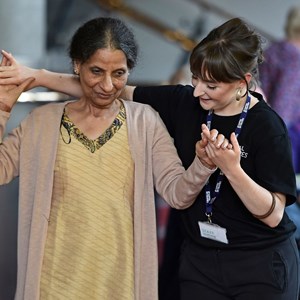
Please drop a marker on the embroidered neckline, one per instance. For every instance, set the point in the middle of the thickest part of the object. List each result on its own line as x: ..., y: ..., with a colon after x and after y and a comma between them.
x: 92, y: 145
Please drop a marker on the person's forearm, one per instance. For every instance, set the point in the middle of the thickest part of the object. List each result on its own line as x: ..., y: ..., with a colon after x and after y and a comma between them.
x: 257, y: 199
x: 60, y: 82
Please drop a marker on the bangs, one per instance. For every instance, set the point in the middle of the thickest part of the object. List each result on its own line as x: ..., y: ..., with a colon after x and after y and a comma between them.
x: 214, y: 64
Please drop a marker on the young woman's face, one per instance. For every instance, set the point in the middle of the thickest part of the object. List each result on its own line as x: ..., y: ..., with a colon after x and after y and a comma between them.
x: 103, y: 76
x: 217, y: 96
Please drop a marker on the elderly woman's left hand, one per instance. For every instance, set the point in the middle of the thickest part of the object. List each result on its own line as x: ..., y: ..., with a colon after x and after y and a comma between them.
x: 226, y: 159
x: 210, y: 136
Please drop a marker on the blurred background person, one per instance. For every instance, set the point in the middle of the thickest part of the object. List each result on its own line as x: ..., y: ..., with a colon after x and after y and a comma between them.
x: 280, y: 79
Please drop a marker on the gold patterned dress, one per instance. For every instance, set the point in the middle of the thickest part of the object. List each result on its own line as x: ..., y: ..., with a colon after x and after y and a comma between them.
x: 89, y: 247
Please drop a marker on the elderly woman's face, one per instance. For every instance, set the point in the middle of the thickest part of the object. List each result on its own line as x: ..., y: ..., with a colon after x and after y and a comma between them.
x: 103, y: 76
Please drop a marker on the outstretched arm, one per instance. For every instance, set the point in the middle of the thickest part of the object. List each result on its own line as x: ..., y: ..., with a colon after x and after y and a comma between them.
x: 15, y: 73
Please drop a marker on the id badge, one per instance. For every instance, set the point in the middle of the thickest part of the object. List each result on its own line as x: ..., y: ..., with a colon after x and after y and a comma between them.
x: 213, y: 232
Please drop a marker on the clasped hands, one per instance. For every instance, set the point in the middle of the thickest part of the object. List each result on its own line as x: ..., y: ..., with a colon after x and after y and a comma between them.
x: 9, y: 93
x: 214, y: 150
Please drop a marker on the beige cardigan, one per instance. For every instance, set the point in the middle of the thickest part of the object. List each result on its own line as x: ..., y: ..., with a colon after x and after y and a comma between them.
x: 29, y: 152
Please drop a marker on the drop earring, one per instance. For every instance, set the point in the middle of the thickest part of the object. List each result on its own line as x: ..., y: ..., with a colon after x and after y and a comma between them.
x: 76, y: 72
x: 238, y: 94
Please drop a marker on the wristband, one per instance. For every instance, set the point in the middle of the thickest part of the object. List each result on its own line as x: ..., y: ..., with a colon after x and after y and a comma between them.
x: 268, y: 213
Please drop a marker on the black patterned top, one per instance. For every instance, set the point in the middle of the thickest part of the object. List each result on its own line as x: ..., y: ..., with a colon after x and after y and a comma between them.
x: 92, y: 145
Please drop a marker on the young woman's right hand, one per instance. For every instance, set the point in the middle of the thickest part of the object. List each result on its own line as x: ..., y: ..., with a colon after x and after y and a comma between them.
x: 11, y: 72
x: 10, y: 92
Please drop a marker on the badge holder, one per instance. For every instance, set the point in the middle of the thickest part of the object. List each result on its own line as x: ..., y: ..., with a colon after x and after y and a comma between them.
x: 212, y: 231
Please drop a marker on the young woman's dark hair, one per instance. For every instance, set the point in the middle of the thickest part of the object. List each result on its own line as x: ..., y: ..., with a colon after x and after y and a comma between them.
x: 228, y: 53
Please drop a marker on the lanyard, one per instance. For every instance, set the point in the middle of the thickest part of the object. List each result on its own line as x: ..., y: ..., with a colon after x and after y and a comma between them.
x: 211, y: 197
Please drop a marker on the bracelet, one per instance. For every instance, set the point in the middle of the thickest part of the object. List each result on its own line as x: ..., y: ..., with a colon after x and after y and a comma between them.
x: 5, y: 107
x: 270, y: 210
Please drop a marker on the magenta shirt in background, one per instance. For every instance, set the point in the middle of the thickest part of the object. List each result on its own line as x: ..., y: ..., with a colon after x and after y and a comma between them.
x: 280, y: 83
x: 280, y: 79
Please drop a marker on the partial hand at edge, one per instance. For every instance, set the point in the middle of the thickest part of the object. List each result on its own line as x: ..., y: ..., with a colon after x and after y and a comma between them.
x: 9, y: 94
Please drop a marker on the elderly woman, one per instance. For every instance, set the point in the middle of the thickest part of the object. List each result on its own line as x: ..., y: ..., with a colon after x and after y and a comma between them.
x: 87, y: 170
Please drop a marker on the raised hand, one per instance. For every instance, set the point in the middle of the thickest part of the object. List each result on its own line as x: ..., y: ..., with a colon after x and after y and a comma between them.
x: 226, y: 156
x: 11, y: 91
x: 210, y: 137
x: 11, y: 72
